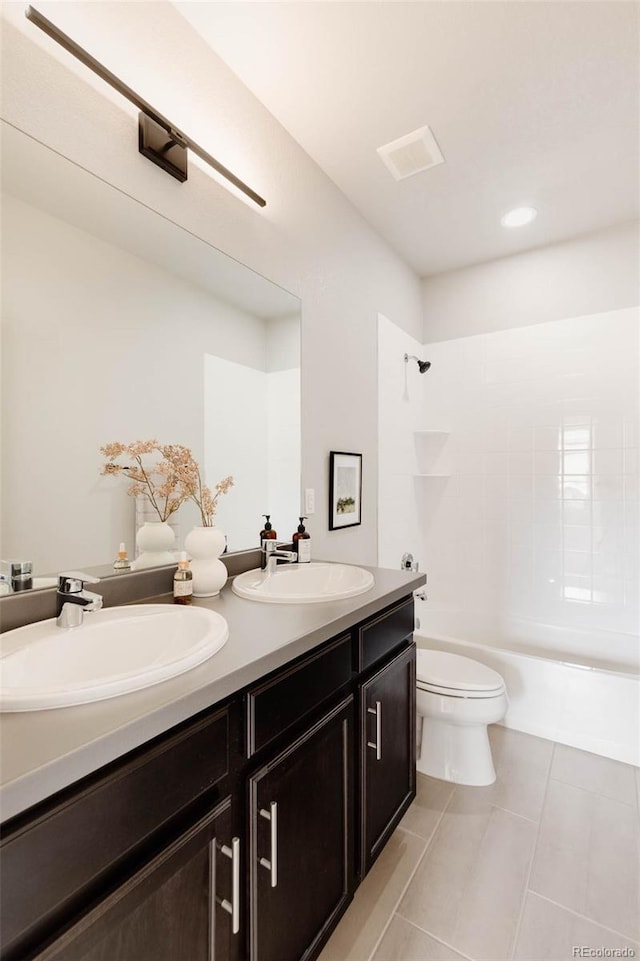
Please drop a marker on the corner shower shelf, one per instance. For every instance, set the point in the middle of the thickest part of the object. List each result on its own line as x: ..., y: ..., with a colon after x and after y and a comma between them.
x: 437, y: 433
x: 432, y: 475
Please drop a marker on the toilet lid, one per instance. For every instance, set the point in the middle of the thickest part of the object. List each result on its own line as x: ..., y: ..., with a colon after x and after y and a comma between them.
x: 457, y: 673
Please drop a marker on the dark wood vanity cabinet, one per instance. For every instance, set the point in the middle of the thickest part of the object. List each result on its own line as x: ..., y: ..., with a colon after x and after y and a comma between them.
x: 179, y: 906
x: 387, y: 752
x: 73, y: 870
x: 240, y: 835
x: 301, y: 840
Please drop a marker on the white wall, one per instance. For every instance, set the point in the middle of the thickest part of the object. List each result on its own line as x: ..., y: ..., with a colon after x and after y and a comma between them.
x: 283, y: 343
x: 99, y: 345
x: 586, y: 275
x: 308, y: 239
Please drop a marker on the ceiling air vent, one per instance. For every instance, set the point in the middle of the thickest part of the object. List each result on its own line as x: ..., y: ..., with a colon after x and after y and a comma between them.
x: 411, y: 154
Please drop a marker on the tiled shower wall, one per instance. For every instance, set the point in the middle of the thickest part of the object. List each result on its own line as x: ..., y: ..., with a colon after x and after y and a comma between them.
x: 538, y: 516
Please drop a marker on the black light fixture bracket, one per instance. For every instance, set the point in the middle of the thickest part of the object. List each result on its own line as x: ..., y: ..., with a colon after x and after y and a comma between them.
x: 158, y: 139
x: 162, y: 147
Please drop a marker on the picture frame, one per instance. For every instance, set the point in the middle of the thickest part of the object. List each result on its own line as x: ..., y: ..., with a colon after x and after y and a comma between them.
x: 345, y: 490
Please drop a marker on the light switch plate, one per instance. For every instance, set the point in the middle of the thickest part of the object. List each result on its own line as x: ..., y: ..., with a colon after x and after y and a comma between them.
x: 309, y: 501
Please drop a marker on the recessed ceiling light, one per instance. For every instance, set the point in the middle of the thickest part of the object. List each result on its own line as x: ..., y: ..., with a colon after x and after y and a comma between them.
x: 519, y: 216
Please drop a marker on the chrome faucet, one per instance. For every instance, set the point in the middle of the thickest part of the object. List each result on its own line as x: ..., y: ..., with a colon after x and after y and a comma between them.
x: 72, y: 600
x: 274, y: 552
x: 18, y: 575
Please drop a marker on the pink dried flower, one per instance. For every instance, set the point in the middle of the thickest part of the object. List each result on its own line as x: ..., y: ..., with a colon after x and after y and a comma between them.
x: 179, y: 475
x: 166, y: 497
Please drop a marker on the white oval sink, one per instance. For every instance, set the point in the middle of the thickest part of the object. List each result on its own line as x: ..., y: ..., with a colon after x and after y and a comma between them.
x: 303, y: 583
x: 115, y: 651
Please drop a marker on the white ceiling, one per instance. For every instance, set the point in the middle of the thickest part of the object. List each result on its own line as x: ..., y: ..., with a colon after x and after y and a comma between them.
x: 531, y: 103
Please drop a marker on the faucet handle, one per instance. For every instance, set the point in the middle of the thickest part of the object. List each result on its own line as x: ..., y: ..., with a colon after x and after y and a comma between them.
x: 72, y: 582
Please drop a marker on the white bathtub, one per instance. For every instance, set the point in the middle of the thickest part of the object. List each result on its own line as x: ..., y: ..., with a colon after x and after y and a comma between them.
x: 560, y: 682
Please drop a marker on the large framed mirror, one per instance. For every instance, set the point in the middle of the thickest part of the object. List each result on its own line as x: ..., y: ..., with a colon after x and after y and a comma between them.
x: 119, y: 325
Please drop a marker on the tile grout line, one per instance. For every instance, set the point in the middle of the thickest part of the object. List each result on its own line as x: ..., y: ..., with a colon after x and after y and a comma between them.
x: 514, y: 814
x: 587, y: 790
x: 516, y: 933
x: 583, y: 917
x: 412, y: 875
x: 433, y: 936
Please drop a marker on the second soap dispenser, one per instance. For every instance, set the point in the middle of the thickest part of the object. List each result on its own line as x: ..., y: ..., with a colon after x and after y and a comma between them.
x: 266, y: 534
x: 302, y: 543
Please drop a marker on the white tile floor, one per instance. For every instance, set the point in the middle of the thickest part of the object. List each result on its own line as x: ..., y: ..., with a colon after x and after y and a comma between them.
x: 545, y: 860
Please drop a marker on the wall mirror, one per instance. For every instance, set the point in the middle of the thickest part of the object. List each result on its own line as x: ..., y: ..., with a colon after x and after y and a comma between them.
x: 119, y: 325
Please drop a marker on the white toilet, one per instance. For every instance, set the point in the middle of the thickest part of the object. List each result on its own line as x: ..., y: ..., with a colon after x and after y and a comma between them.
x: 456, y: 699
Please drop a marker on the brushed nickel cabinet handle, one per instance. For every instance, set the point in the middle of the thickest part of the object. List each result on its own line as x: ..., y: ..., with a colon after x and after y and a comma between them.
x: 233, y: 907
x: 377, y: 745
x: 272, y: 863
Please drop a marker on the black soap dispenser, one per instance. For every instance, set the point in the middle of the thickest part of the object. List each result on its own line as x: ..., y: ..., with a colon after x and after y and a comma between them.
x: 302, y: 543
x: 266, y: 534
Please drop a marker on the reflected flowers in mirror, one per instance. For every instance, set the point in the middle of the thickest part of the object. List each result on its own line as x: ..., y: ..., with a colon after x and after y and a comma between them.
x: 160, y: 481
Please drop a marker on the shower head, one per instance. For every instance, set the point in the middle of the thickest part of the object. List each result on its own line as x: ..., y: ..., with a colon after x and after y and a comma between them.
x: 423, y: 365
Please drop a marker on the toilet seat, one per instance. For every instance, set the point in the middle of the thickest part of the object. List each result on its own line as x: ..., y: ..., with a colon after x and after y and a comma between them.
x: 455, y: 676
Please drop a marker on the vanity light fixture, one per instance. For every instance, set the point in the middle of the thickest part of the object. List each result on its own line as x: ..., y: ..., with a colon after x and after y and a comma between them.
x: 158, y: 139
x: 519, y: 217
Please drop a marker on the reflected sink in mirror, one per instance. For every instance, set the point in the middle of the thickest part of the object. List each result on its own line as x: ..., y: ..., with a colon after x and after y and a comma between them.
x: 115, y: 651
x: 303, y: 583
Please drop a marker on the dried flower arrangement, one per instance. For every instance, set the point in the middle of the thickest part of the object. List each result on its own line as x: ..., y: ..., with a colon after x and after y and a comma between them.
x: 179, y: 473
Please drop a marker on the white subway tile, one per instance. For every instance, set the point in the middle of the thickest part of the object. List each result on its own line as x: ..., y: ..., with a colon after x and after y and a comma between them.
x: 607, y: 562
x: 547, y: 438
x: 576, y: 436
x: 548, y: 462
x: 577, y: 462
x: 521, y: 462
x: 576, y: 487
x: 520, y: 435
x: 547, y: 511
x: 576, y: 538
x: 496, y: 462
x: 631, y: 487
x: 607, y: 431
x: 577, y: 512
x: 576, y: 562
x: 630, y: 432
x: 607, y: 487
x: 548, y: 536
x: 630, y: 460
x: 608, y: 461
x: 547, y: 487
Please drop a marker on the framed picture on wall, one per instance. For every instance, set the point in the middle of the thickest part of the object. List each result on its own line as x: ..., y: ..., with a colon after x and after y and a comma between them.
x: 345, y: 490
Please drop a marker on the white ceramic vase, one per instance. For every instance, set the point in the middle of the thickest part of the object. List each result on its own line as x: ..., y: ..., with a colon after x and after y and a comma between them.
x: 204, y: 546
x: 155, y: 541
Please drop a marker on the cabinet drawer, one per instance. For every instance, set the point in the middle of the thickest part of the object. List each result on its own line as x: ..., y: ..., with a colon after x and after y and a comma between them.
x: 280, y: 702
x: 50, y: 862
x: 380, y: 636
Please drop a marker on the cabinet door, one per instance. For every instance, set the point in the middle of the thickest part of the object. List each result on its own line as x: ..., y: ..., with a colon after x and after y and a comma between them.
x: 178, y: 907
x: 387, y: 752
x: 301, y: 844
